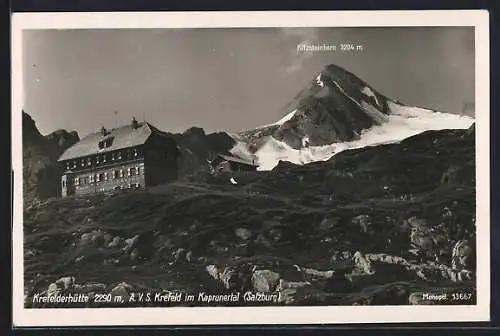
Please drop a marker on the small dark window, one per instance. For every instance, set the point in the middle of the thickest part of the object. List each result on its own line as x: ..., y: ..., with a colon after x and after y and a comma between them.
x: 64, y: 184
x: 105, y: 143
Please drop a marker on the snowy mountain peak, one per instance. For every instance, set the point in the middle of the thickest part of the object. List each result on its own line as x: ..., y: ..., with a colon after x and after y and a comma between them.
x: 337, y: 111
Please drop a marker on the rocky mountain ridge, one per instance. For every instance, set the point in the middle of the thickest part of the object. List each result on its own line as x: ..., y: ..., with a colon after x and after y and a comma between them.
x: 41, y: 174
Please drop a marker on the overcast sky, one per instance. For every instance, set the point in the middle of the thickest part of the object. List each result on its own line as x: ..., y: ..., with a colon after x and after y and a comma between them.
x: 229, y: 79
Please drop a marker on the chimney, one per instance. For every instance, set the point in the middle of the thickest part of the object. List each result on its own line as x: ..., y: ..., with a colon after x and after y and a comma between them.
x: 135, y: 124
x: 104, y: 131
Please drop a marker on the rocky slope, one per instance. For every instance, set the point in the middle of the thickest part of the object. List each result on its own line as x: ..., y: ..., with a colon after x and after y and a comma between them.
x: 371, y: 226
x: 41, y: 176
x: 198, y: 148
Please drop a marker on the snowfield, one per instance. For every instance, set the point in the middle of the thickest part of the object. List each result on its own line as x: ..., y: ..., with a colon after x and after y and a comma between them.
x: 403, y: 122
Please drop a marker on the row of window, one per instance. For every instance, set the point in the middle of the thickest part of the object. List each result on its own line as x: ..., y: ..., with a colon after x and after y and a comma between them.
x: 115, y: 174
x: 122, y: 187
x: 130, y: 186
x: 127, y: 155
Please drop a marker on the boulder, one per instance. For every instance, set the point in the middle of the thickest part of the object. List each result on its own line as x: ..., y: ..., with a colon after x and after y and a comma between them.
x: 287, y: 296
x: 346, y: 255
x: 463, y: 255
x: 134, y: 255
x: 283, y: 284
x: 243, y: 234
x: 123, y: 290
x: 115, y: 242
x: 189, y: 256
x: 130, y: 243
x: 179, y: 254
x: 229, y: 278
x: 313, y: 273
x: 60, y: 285
x: 91, y: 238
x: 107, y: 238
x: 363, y: 264
x: 265, y: 281
x: 328, y: 223
x: 213, y: 271
x: 364, y: 223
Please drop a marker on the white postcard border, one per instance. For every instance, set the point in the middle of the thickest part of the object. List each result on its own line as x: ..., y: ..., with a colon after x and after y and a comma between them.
x: 258, y: 315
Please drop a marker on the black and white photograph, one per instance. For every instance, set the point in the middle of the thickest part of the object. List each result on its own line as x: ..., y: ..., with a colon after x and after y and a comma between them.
x: 252, y: 166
